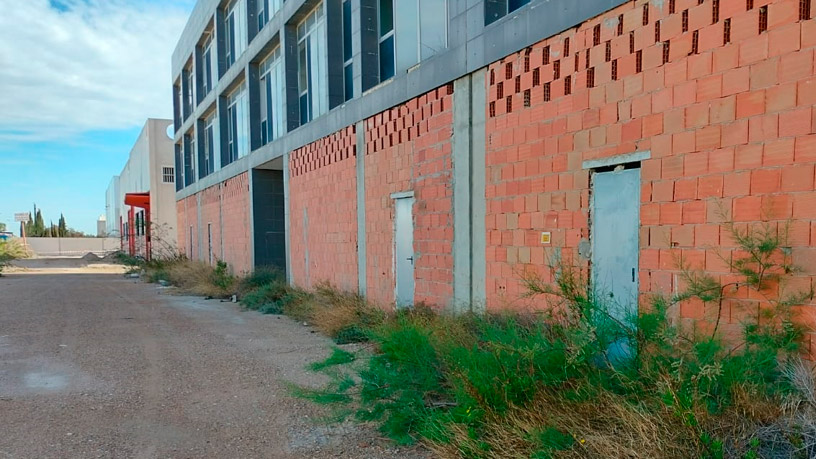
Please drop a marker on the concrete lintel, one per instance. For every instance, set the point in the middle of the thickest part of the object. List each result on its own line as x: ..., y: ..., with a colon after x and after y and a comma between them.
x: 617, y: 160
x: 402, y: 194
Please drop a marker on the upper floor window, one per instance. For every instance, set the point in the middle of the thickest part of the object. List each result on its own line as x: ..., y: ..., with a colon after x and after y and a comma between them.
x: 497, y: 9
x: 177, y: 105
x: 189, y: 158
x: 385, y: 29
x: 410, y: 31
x: 237, y: 125
x: 179, y: 165
x: 273, y: 86
x: 207, y: 150
x: 312, y: 66
x: 348, y: 68
x: 235, y: 30
x: 189, y: 103
x: 267, y: 10
x: 208, y: 65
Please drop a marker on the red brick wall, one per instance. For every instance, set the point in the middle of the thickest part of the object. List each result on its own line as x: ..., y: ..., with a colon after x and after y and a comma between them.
x: 409, y: 149
x: 226, y: 207
x: 235, y: 230
x: 322, y: 181
x: 210, y: 215
x: 187, y: 215
x: 729, y: 125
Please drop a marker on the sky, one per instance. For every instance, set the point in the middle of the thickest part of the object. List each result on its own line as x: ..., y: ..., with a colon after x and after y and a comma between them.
x: 78, y: 80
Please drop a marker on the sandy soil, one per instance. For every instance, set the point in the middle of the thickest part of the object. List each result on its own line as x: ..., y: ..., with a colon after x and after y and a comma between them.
x: 96, y: 365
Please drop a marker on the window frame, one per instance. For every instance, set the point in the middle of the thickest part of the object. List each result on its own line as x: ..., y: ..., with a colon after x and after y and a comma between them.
x: 208, y: 75
x: 271, y: 84
x: 312, y: 84
x: 208, y: 145
x: 168, y: 171
x: 189, y: 157
x: 237, y: 124
x: 348, y: 52
x: 382, y: 38
x: 235, y: 28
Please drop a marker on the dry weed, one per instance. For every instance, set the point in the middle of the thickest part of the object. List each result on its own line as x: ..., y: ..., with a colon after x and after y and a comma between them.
x: 195, y: 277
x: 605, y: 427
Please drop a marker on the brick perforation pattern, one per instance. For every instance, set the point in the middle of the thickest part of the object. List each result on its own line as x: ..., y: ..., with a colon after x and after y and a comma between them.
x: 323, y: 211
x: 330, y: 149
x: 409, y: 149
x: 731, y: 130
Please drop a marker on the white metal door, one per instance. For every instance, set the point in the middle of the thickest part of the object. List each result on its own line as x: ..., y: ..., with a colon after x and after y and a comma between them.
x: 615, y: 231
x: 404, y: 251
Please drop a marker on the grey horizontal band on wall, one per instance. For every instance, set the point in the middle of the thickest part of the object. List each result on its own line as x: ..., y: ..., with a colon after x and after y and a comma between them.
x: 616, y: 160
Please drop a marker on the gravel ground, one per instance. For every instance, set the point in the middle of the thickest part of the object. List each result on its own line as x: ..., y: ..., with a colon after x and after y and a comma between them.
x: 95, y: 365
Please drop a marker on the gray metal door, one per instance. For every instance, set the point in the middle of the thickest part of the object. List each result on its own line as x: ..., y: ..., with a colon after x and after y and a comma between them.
x: 615, y: 231
x: 404, y: 251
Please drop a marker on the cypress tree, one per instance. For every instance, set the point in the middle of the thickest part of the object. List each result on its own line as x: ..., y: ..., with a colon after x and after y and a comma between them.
x: 39, y: 224
x: 63, y: 228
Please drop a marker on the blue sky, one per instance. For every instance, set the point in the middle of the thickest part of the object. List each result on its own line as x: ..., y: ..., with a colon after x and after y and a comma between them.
x: 78, y: 80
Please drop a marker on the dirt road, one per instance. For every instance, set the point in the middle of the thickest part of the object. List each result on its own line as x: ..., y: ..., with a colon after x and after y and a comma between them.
x: 95, y: 365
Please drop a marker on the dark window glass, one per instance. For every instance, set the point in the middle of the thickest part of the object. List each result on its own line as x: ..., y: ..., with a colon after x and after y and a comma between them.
x: 230, y: 44
x: 386, y: 16
x: 269, y: 114
x: 346, y: 30
x: 513, y: 5
x: 497, y: 9
x: 349, y: 81
x: 208, y: 71
x: 234, y: 134
x: 303, y: 84
x: 304, y: 109
x: 387, y: 58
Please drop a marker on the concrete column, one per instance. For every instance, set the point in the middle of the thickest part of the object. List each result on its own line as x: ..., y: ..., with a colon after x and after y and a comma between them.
x: 286, y: 216
x: 250, y: 181
x: 361, y: 211
x: 469, y: 238
x: 478, y: 202
x: 461, y: 195
x: 197, y: 254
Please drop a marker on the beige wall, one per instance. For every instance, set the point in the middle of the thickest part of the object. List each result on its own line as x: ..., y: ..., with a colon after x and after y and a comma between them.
x: 152, y: 152
x: 52, y: 246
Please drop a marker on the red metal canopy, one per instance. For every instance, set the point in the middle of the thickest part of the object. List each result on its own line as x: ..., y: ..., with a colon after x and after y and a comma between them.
x: 138, y: 200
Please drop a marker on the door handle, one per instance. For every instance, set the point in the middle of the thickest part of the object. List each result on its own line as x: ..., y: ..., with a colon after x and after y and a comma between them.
x: 411, y: 259
x: 633, y: 274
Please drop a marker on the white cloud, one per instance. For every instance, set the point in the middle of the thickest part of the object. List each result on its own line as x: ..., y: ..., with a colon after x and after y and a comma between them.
x: 70, y: 66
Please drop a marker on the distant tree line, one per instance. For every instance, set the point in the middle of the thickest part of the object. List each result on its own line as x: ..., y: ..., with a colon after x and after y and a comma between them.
x: 36, y: 226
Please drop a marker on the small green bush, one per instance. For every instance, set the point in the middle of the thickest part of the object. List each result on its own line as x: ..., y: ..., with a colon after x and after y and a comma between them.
x: 557, y: 385
x: 261, y: 277
x: 11, y: 250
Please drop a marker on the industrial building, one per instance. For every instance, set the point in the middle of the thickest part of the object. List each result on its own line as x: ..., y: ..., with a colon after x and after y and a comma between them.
x: 140, y: 204
x: 431, y: 150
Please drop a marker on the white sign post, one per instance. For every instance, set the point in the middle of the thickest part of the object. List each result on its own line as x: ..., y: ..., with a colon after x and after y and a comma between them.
x: 23, y: 217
